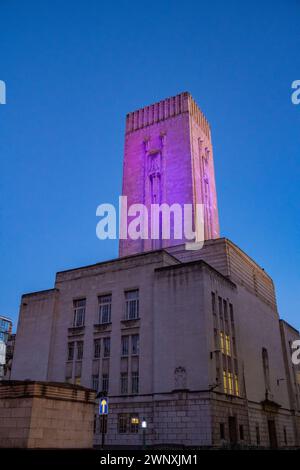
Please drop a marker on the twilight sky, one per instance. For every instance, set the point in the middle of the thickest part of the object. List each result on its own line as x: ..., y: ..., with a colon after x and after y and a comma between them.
x: 73, y: 69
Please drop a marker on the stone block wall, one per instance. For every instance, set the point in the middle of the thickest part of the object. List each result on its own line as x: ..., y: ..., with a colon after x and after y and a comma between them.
x: 45, y: 415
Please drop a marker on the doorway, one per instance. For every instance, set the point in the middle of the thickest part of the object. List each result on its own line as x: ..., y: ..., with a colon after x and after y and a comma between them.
x: 232, y: 424
x: 272, y: 434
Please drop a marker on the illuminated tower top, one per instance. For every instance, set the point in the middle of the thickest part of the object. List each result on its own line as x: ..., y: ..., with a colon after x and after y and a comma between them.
x: 168, y: 158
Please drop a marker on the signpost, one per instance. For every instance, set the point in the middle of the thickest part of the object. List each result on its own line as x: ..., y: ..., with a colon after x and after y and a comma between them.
x: 103, y: 412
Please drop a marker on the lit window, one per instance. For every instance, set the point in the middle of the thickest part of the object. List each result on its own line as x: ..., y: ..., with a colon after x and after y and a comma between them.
x: 132, y: 305
x: 105, y: 309
x: 222, y: 343
x: 236, y: 383
x: 230, y: 383
x: 79, y: 312
x: 134, y: 424
x: 228, y: 348
x: 225, y: 381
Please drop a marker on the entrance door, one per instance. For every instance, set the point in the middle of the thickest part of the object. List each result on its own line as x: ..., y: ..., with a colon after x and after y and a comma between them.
x: 272, y: 434
x: 232, y: 424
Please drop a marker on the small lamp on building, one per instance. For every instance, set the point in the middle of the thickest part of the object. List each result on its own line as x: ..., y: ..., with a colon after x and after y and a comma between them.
x: 144, y: 427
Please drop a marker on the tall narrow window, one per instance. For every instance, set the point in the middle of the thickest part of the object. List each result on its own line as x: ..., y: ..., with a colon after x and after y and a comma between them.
x: 124, y: 346
x: 70, y: 351
x: 79, y: 312
x: 222, y: 342
x: 135, y: 382
x: 135, y: 345
x: 213, y: 303
x: 265, y: 361
x: 122, y: 423
x: 236, y: 384
x: 220, y: 308
x: 95, y: 382
x: 124, y: 383
x: 132, y: 305
x: 97, y: 348
x: 225, y: 381
x: 79, y: 350
x: 106, y: 347
x: 230, y: 383
x: 105, y: 382
x: 228, y: 348
x: 105, y: 309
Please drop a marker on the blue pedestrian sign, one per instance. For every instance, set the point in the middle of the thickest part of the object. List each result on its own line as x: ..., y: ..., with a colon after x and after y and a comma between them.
x: 103, y: 406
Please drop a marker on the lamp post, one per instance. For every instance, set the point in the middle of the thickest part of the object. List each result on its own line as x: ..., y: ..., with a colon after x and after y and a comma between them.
x: 144, y: 427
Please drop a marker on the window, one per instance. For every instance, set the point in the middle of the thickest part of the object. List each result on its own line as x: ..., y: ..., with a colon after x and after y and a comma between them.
x: 213, y: 303
x: 132, y: 305
x: 79, y: 350
x: 124, y: 345
x: 265, y: 361
x: 234, y: 347
x: 134, y: 382
x: 122, y: 423
x: 128, y: 423
x: 241, y: 432
x: 230, y: 383
x: 236, y: 384
x: 220, y: 308
x: 97, y: 348
x: 70, y: 351
x: 257, y: 432
x: 77, y: 380
x: 225, y: 310
x: 106, y: 347
x: 95, y: 382
x: 134, y: 424
x: 222, y: 431
x: 228, y: 348
x: 225, y: 381
x: 124, y: 383
x: 222, y: 343
x: 135, y: 345
x: 231, y: 313
x: 105, y: 309
x: 79, y: 312
x: 105, y: 382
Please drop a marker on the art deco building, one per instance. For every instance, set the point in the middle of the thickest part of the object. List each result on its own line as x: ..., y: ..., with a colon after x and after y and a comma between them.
x: 189, y: 341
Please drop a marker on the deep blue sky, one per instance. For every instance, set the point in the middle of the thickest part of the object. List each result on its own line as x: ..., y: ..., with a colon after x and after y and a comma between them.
x: 73, y: 69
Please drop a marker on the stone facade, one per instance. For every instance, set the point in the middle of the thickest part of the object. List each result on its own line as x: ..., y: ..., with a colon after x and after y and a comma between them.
x: 45, y: 415
x: 175, y: 378
x: 168, y: 159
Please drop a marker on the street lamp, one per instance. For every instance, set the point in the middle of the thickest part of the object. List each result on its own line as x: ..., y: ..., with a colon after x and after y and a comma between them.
x: 144, y: 427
